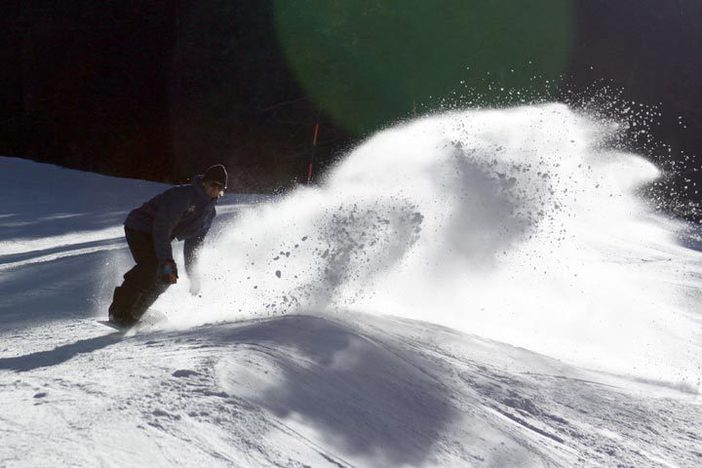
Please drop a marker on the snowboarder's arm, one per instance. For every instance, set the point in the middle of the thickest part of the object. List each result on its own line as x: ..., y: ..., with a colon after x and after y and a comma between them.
x: 190, y: 251
x: 170, y: 211
x: 193, y: 244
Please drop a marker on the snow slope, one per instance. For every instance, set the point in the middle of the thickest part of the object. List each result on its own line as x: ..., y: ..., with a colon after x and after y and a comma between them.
x: 287, y: 359
x: 305, y: 390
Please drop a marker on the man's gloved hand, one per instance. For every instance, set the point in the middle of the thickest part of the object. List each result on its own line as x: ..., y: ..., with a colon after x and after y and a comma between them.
x: 194, y: 285
x: 168, y: 272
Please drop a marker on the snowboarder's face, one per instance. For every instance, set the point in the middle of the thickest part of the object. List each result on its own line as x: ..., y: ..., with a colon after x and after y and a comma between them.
x: 214, y: 190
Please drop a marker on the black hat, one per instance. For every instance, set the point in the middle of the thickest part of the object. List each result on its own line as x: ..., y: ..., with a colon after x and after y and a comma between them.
x: 216, y: 173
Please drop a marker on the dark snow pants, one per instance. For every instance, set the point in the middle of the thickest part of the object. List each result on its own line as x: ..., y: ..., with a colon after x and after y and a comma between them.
x: 142, y: 284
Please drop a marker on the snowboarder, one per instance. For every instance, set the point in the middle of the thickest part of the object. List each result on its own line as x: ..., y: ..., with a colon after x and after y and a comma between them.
x: 184, y: 212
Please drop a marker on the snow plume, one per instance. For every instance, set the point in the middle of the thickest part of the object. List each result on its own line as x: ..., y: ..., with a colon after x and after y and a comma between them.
x: 520, y: 225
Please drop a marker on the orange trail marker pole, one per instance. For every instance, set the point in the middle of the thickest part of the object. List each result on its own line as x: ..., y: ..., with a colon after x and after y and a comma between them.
x: 310, y: 164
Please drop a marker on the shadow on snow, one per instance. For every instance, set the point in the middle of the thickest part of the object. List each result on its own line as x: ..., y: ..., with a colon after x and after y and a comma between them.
x: 58, y: 355
x: 365, y: 396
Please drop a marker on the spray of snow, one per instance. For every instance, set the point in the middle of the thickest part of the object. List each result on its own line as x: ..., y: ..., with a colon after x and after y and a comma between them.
x: 519, y: 225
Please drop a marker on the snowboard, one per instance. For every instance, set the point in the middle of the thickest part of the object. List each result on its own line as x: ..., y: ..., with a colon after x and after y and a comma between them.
x: 151, y: 319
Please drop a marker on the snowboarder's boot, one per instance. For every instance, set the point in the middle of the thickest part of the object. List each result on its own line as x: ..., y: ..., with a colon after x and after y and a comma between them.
x: 120, y: 311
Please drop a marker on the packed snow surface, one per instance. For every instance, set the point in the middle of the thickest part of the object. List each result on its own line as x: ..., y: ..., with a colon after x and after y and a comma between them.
x: 479, y: 288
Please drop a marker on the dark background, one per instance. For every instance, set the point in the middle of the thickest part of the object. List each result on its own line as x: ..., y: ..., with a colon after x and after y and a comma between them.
x: 160, y: 89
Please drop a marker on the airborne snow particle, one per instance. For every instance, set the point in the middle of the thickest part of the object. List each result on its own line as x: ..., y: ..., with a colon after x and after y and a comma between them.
x: 277, y: 273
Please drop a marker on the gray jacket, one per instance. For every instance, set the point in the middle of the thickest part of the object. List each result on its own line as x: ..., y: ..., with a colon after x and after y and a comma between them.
x: 184, y: 212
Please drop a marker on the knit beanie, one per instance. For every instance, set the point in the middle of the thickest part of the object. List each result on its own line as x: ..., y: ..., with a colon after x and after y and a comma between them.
x: 216, y: 173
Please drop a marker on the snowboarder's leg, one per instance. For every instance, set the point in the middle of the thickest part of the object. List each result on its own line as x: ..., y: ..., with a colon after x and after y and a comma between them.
x: 146, y: 299
x: 141, y: 286
x: 131, y: 300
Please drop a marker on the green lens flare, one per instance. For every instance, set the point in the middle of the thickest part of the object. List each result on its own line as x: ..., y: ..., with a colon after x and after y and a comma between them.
x: 367, y: 62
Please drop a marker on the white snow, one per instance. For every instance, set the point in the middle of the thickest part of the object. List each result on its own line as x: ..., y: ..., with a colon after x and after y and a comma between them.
x: 321, y: 335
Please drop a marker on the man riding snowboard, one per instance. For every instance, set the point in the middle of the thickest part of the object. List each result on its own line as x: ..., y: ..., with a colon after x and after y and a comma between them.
x: 184, y: 212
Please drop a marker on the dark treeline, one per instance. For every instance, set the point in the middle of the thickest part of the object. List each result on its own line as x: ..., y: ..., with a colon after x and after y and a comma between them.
x: 156, y: 90
x: 160, y: 89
